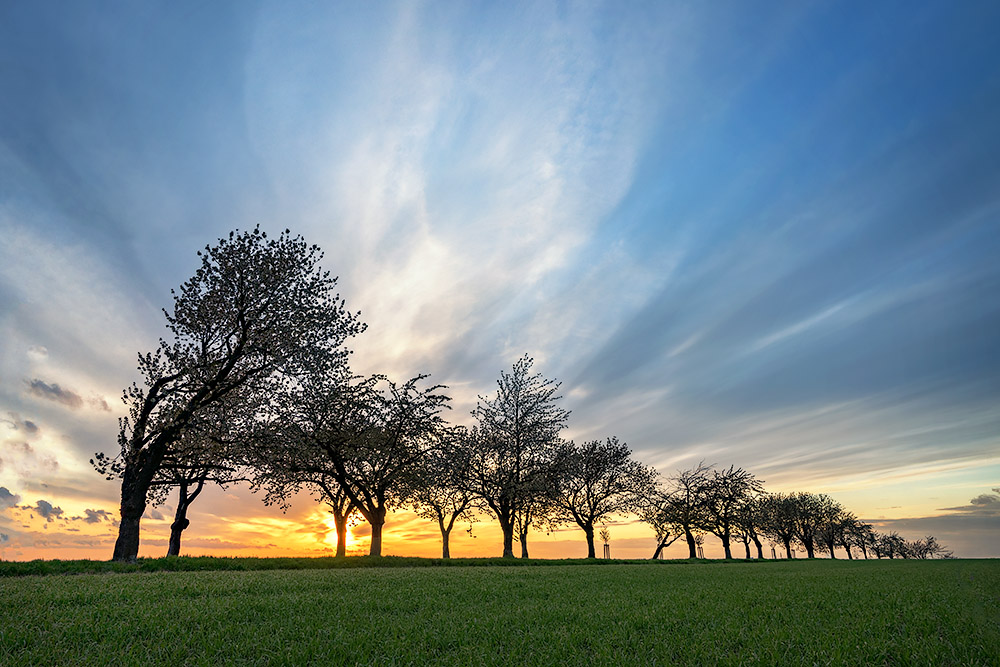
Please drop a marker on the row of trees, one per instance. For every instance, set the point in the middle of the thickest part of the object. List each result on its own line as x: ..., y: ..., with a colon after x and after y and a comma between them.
x: 254, y: 385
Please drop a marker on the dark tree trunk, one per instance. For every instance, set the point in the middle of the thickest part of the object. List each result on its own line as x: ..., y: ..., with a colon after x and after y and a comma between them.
x: 508, y: 538
x: 725, y: 545
x: 659, y: 549
x: 377, y: 520
x: 132, y: 507
x: 445, y: 534
x: 747, y: 545
x: 788, y: 548
x: 176, y: 528
x: 847, y: 548
x: 524, y: 543
x: 810, y: 549
x: 589, y: 532
x: 760, y: 547
x: 832, y: 547
x: 692, y: 547
x: 340, y: 522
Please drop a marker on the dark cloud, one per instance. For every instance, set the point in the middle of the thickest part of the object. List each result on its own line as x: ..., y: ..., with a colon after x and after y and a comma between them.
x: 95, y: 516
x: 985, y: 504
x: 4, y: 537
x: 8, y: 499
x: 47, y: 511
x: 53, y: 392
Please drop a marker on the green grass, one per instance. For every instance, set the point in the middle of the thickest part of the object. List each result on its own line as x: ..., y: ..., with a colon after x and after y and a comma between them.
x: 775, y: 613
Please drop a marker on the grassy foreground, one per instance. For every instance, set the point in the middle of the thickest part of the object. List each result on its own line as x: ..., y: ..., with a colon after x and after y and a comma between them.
x: 773, y: 613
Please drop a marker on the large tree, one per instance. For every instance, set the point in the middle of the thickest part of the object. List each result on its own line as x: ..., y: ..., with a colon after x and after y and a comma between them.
x: 777, y: 517
x: 516, y: 436
x: 598, y: 479
x: 257, y: 311
x: 727, y: 493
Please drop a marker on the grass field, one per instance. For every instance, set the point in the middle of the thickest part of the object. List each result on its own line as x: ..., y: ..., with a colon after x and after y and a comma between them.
x: 769, y: 613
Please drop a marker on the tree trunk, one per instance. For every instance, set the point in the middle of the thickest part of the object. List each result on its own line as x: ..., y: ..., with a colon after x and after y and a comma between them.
x: 589, y: 532
x: 524, y: 543
x: 340, y: 521
x: 788, y: 549
x: 659, y: 548
x: 833, y: 554
x: 508, y: 539
x: 377, y: 520
x: 747, y: 545
x: 692, y: 547
x: 445, y: 533
x: 177, y: 527
x: 725, y: 546
x: 810, y: 550
x: 132, y: 507
x: 760, y: 547
x: 847, y: 548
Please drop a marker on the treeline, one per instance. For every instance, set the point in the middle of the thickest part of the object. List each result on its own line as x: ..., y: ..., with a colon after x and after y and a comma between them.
x: 253, y: 385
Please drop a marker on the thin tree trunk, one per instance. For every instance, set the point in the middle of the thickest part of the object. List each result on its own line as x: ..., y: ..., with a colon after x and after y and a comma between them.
x: 747, y: 545
x: 810, y: 550
x: 788, y: 549
x: 659, y: 548
x: 340, y: 521
x: 445, y: 533
x: 524, y: 543
x: 589, y: 532
x: 180, y: 521
x: 760, y: 547
x: 847, y: 548
x: 725, y: 546
x: 833, y: 554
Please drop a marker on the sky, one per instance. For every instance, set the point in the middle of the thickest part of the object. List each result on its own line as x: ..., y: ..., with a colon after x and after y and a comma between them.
x: 763, y: 235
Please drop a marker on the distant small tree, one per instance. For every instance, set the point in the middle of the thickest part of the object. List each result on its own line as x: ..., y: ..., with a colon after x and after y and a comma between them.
x: 686, y: 500
x: 598, y: 479
x: 750, y: 523
x: 927, y: 548
x: 657, y: 510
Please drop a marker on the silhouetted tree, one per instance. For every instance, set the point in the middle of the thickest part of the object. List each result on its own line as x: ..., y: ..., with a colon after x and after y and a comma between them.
x: 927, y: 548
x: 364, y: 436
x: 778, y: 512
x: 516, y: 435
x: 256, y: 311
x: 439, y: 491
x: 657, y: 509
x: 598, y: 479
x: 749, y: 523
x: 811, y: 512
x: 725, y: 494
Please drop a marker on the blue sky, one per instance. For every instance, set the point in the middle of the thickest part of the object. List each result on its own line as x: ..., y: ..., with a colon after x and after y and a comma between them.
x: 758, y: 235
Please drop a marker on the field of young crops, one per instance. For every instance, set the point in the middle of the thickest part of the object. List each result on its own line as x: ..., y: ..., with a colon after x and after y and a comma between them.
x: 769, y: 613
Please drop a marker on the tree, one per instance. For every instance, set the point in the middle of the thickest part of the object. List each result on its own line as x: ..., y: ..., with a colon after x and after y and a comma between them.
x: 516, y: 435
x: 364, y: 436
x: 778, y: 512
x: 439, y: 491
x: 725, y: 495
x: 749, y: 523
x: 927, y: 548
x: 810, y: 513
x: 256, y: 311
x: 686, y: 501
x: 598, y: 479
x: 657, y: 510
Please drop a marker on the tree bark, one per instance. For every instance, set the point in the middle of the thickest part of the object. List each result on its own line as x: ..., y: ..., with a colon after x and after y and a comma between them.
x: 340, y: 522
x: 377, y: 520
x: 132, y: 507
x: 760, y: 547
x: 747, y: 545
x: 659, y: 548
x: 810, y: 550
x: 507, y: 528
x: 445, y: 534
x: 725, y: 546
x: 788, y: 549
x: 176, y: 528
x: 589, y: 532
x: 692, y: 547
x: 524, y: 543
